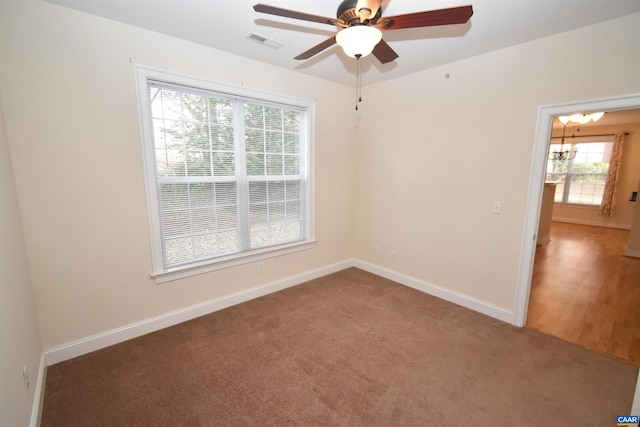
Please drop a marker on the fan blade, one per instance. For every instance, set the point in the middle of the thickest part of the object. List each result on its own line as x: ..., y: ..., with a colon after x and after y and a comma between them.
x: 431, y: 18
x: 317, y: 48
x: 272, y: 10
x: 384, y: 53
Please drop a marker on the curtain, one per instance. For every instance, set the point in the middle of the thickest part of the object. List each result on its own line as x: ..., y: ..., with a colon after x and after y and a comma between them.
x: 608, y: 197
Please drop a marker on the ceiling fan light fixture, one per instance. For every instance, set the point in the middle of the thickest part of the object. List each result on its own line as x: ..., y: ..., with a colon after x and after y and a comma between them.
x: 581, y: 118
x: 367, y: 9
x: 358, y: 40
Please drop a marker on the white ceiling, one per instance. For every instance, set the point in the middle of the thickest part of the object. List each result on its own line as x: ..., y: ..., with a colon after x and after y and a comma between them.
x: 224, y: 25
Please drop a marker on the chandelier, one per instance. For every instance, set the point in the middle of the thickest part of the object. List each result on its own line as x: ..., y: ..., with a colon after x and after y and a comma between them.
x: 581, y: 118
x: 562, y: 154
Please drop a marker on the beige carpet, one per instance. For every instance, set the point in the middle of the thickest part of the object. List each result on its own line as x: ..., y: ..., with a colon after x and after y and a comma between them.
x: 349, y: 349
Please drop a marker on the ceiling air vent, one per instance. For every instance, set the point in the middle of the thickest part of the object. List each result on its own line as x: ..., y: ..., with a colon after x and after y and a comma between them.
x: 264, y: 40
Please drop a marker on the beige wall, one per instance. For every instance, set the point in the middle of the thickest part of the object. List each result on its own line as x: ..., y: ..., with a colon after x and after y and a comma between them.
x: 416, y: 175
x: 429, y: 156
x: 19, y: 335
x: 427, y: 174
x: 629, y: 175
x: 70, y: 104
x: 633, y: 245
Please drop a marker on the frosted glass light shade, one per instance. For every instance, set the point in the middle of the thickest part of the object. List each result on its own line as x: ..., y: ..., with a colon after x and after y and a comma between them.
x: 358, y: 40
x: 581, y: 118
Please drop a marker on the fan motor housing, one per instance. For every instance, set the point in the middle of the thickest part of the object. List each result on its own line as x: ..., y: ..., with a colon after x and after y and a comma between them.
x: 347, y: 12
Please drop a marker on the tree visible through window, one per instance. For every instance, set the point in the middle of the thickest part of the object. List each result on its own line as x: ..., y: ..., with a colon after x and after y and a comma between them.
x: 229, y: 174
x: 581, y: 180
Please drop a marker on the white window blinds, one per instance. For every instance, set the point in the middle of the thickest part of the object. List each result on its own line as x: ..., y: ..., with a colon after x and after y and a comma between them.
x: 230, y: 173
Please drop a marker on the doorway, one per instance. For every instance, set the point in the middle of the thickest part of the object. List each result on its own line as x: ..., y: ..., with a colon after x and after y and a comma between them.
x: 534, y: 197
x: 583, y: 290
x: 536, y: 183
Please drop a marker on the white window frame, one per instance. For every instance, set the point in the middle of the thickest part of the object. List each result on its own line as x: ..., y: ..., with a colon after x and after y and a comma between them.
x: 569, y: 174
x: 159, y: 272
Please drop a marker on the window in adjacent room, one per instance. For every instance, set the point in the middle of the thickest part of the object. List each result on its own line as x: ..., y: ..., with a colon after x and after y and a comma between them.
x: 581, y: 180
x: 228, y: 174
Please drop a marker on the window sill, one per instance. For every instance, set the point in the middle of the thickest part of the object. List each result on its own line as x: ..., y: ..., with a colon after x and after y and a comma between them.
x: 230, y: 261
x: 577, y: 206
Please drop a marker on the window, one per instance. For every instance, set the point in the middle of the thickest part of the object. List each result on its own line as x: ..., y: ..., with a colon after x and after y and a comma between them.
x: 227, y: 174
x: 582, y: 179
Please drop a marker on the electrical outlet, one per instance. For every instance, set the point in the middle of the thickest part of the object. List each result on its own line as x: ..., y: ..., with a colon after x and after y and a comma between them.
x: 375, y: 249
x: 25, y: 376
x: 394, y: 255
x: 261, y: 267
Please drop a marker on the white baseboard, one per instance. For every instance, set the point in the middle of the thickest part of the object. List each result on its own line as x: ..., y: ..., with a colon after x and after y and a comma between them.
x: 38, y: 398
x: 592, y: 223
x: 118, y: 335
x: 543, y: 240
x: 445, y: 294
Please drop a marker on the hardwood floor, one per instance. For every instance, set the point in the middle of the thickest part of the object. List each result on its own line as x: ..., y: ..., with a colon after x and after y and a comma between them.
x: 585, y: 291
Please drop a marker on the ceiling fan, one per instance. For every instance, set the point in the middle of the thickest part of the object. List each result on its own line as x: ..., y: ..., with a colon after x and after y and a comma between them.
x: 360, y: 24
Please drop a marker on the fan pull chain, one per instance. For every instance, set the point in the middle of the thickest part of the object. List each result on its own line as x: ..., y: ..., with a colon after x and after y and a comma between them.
x: 358, y: 81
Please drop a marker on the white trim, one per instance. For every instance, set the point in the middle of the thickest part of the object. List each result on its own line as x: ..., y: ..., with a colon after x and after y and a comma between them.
x: 176, y: 79
x: 143, y: 76
x: 592, y: 223
x: 38, y: 398
x: 632, y: 253
x: 220, y: 263
x: 532, y: 215
x: 118, y: 335
x: 127, y: 332
x: 543, y: 240
x: 442, y: 293
x: 148, y: 156
x: 635, y: 406
x: 594, y: 208
x: 536, y: 182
